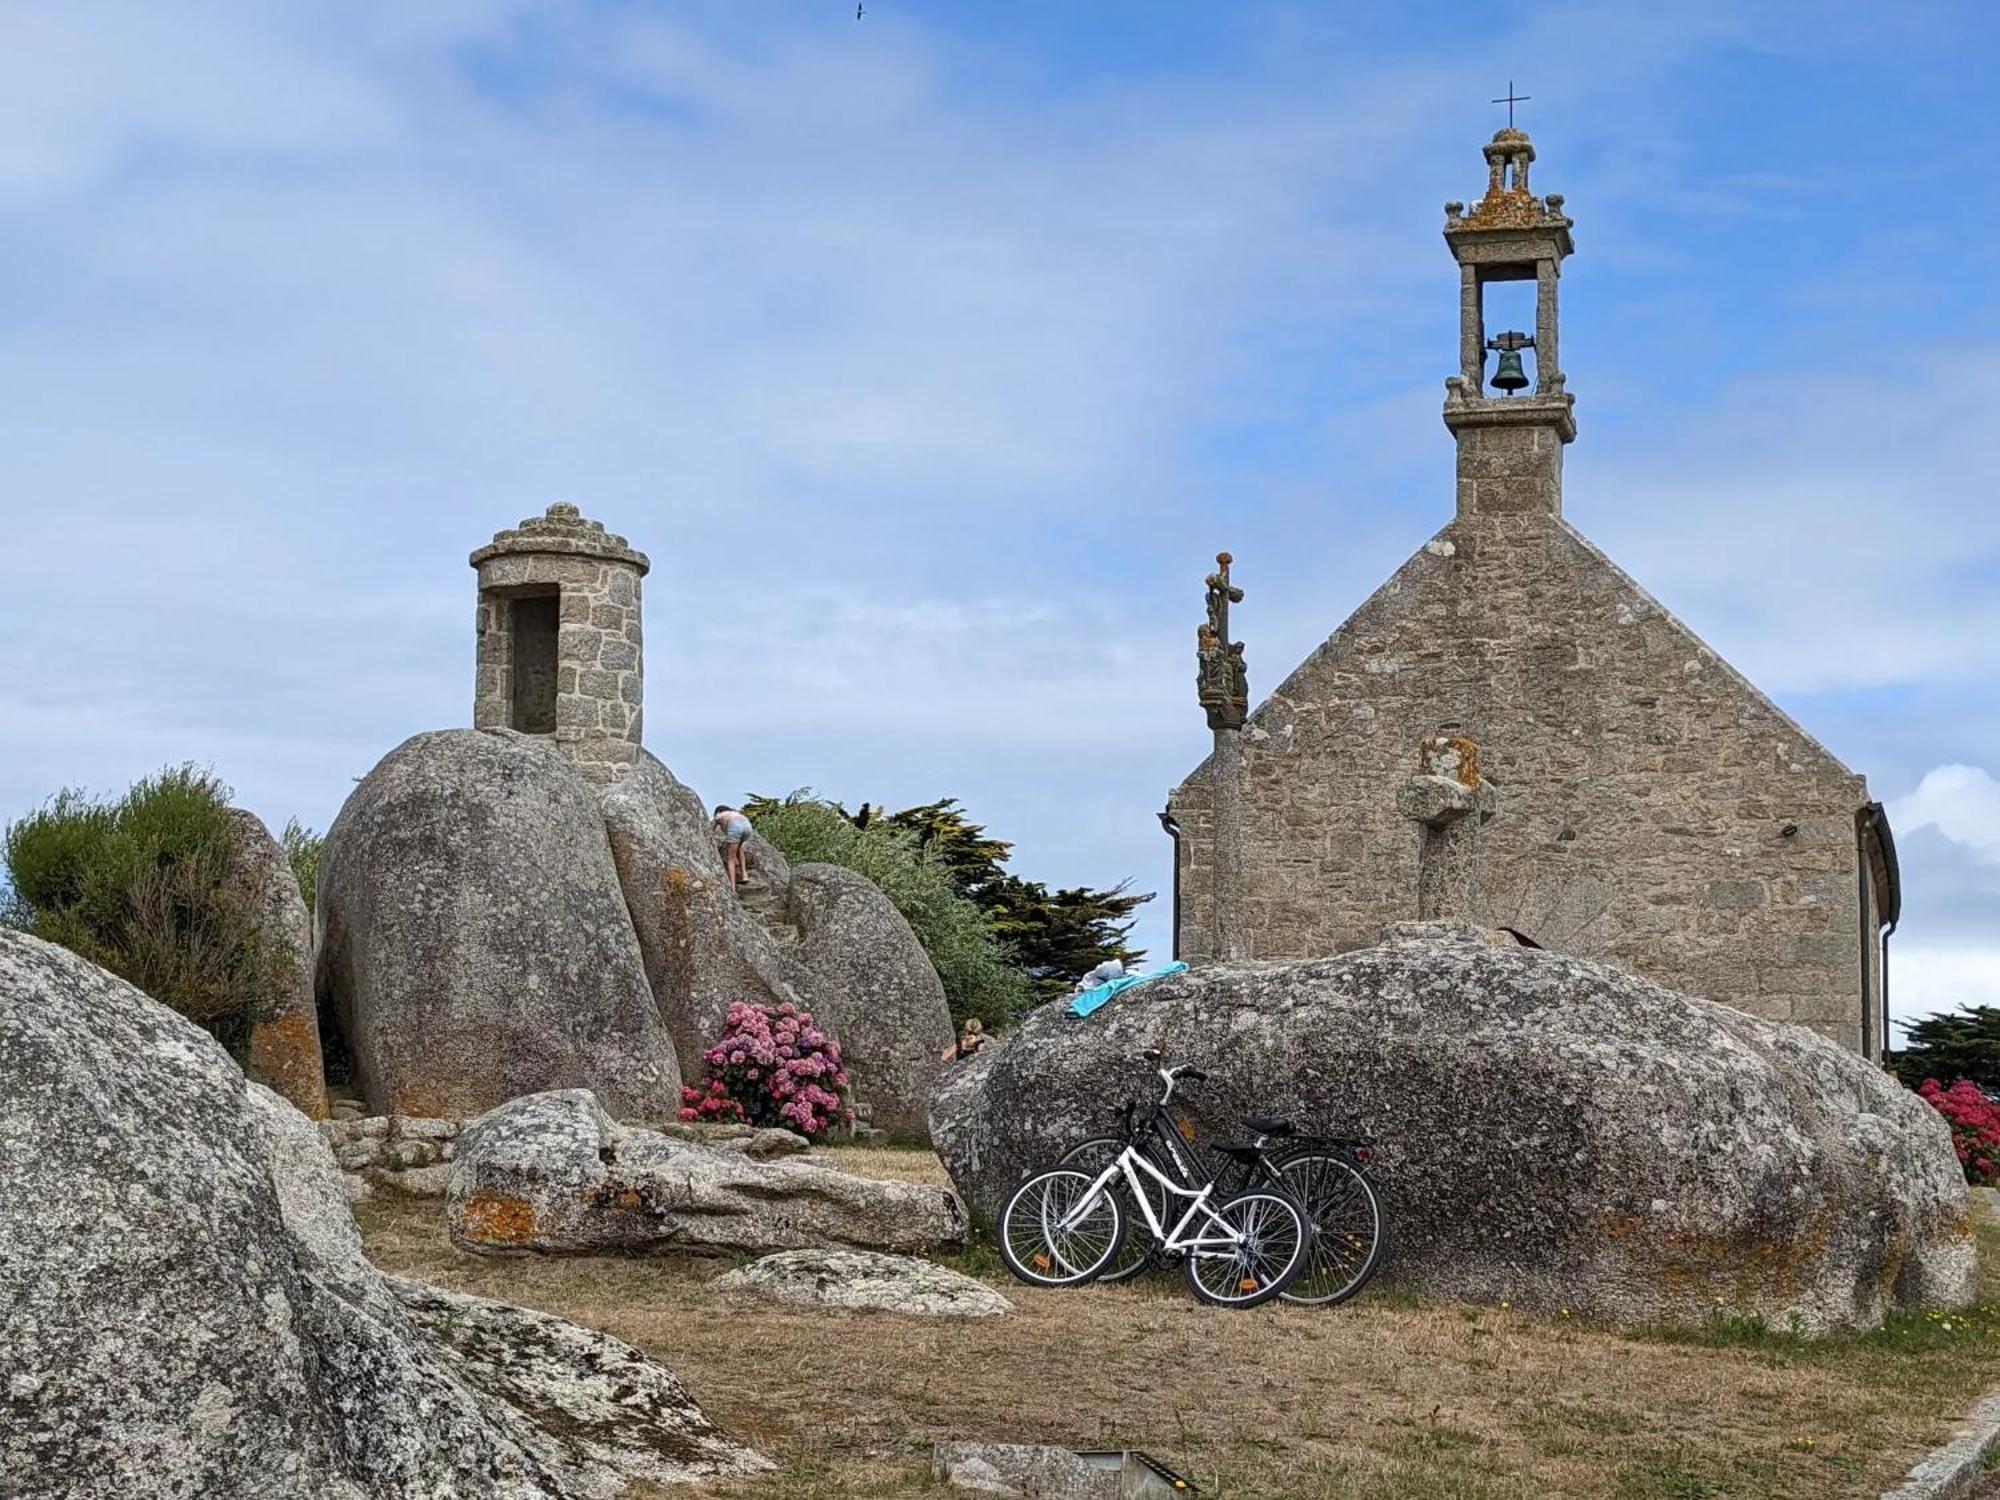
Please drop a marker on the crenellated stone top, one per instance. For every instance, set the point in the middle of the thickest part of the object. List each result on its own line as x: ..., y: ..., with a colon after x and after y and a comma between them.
x: 1508, y: 203
x: 563, y: 529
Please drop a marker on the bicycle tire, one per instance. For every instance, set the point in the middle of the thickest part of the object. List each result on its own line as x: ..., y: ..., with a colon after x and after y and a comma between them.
x: 1140, y: 1252
x: 1031, y: 1255
x: 1253, y: 1276
x: 1349, y: 1233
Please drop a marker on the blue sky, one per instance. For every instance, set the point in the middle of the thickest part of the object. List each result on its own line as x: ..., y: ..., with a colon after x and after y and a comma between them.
x: 932, y: 356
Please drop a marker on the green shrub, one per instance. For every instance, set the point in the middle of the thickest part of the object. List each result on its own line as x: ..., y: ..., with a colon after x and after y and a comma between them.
x: 141, y: 886
x: 960, y: 939
x: 302, y: 847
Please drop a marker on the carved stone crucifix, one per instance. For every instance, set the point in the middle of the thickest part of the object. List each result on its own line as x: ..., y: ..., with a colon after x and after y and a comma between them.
x: 1222, y: 685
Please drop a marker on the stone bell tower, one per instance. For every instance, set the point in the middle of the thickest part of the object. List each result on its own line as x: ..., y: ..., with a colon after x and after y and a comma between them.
x: 560, y: 642
x: 1509, y: 446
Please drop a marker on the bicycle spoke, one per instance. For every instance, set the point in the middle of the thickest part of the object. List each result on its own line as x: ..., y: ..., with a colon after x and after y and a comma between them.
x: 1346, y: 1222
x: 1057, y: 1230
x: 1268, y: 1234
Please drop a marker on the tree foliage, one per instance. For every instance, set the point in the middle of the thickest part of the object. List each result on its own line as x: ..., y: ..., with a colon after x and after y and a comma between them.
x: 142, y: 886
x: 1951, y: 1046
x: 1011, y: 943
x: 1054, y: 937
x: 956, y: 934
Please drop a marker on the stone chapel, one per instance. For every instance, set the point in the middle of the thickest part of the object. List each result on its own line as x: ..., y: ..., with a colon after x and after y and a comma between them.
x: 1655, y: 808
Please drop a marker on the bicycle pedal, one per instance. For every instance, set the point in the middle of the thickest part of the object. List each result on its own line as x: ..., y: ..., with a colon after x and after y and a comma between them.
x: 1247, y: 1284
x: 1041, y: 1262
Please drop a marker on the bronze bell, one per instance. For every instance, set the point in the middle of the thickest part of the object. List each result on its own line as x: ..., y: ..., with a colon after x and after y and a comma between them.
x: 1508, y: 375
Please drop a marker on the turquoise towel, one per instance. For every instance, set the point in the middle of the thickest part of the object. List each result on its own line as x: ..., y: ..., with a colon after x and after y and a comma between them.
x: 1091, y: 1000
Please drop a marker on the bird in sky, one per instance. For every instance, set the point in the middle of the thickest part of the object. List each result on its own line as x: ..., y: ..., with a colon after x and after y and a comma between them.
x: 859, y: 10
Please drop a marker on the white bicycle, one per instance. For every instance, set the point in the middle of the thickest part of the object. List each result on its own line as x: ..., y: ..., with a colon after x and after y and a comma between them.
x: 1065, y: 1227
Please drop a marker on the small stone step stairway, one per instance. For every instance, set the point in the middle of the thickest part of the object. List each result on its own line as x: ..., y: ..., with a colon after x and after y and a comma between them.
x: 766, y: 904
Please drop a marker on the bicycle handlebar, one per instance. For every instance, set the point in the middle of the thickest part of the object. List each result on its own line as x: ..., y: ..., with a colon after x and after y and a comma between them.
x: 1158, y: 1058
x: 1170, y: 1077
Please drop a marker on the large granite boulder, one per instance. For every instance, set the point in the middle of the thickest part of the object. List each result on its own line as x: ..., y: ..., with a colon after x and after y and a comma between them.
x: 284, y: 1049
x: 819, y: 936
x: 863, y: 1279
x: 185, y: 1309
x: 875, y: 989
x: 1550, y: 1131
x: 474, y: 942
x: 554, y: 1174
x: 702, y: 950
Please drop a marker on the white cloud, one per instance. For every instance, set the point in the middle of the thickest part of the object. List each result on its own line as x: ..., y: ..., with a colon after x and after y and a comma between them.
x: 1960, y: 802
x: 1927, y: 980
x: 909, y: 370
x: 1821, y: 533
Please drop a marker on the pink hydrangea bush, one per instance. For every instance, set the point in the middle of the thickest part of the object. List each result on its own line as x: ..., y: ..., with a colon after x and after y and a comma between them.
x: 1975, y: 1126
x: 772, y: 1066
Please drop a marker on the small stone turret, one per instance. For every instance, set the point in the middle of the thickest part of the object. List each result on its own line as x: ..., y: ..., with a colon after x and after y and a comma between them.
x: 561, y: 647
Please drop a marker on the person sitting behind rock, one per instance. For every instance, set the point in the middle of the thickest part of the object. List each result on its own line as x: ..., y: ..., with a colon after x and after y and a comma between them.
x: 732, y: 832
x: 971, y: 1041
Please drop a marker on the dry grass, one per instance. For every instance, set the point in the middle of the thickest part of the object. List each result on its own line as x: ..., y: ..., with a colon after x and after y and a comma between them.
x: 1386, y: 1398
x: 898, y: 1163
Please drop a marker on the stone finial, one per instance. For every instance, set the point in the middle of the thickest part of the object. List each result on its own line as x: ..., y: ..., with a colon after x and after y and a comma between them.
x: 1508, y: 203
x: 562, y: 529
x: 1449, y: 801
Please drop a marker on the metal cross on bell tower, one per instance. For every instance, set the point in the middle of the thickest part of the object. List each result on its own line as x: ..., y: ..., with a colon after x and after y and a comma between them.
x: 1510, y: 99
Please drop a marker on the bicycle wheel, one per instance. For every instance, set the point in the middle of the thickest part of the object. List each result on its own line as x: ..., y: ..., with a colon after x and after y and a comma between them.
x: 1054, y: 1233
x: 1274, y: 1237
x: 1347, y: 1227
x: 1140, y: 1251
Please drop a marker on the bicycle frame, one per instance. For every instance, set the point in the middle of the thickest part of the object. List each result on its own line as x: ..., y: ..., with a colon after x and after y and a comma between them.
x: 1129, y: 1165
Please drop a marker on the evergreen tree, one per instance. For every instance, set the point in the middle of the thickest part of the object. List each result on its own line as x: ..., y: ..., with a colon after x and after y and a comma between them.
x: 1052, y: 938
x: 1949, y: 1047
x: 1056, y: 937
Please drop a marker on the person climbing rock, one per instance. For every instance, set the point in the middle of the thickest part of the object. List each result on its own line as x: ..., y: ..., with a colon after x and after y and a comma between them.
x: 732, y: 832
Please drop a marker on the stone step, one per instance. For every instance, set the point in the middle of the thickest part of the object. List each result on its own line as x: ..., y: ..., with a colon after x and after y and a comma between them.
x: 766, y: 905
x: 760, y: 895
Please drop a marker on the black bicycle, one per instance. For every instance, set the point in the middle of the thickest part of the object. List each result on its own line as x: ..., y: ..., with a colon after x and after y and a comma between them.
x: 1326, y: 1175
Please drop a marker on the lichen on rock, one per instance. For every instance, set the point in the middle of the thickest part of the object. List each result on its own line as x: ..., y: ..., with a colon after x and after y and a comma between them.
x: 185, y: 1308
x: 554, y: 1174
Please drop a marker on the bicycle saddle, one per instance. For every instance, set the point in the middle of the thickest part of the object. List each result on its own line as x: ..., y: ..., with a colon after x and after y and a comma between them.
x: 1266, y: 1125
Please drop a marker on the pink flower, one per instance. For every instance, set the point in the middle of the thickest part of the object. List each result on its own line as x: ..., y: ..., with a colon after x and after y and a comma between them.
x: 771, y: 1064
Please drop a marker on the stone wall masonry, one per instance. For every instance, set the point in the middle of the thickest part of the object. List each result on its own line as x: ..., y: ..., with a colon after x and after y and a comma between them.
x: 1645, y: 787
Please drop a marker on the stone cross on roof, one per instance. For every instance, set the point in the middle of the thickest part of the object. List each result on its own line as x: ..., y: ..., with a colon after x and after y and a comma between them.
x: 1222, y: 683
